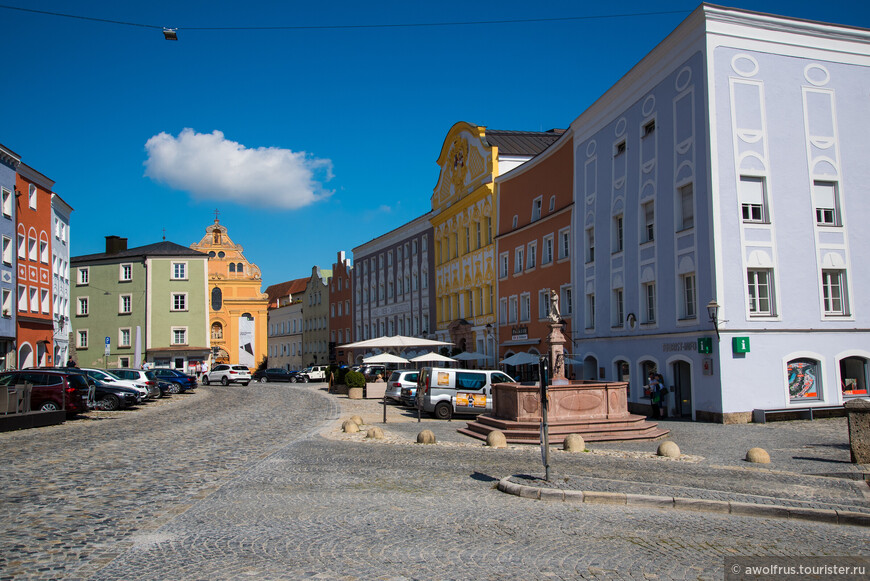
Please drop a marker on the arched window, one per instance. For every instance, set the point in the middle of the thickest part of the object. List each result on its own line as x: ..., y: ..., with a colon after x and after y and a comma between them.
x: 217, y: 331
x: 217, y: 299
x: 232, y: 267
x: 804, y: 379
x: 853, y: 376
x: 240, y: 267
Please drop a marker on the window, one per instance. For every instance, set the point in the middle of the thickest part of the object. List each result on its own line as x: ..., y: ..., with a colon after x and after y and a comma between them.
x: 488, y: 230
x: 686, y: 207
x: 179, y: 302
x: 590, y: 311
x: 649, y: 298
x: 31, y: 197
x: 512, y: 311
x: 84, y: 276
x: 31, y: 249
x: 515, y: 222
x: 34, y: 302
x: 617, y: 233
x: 649, y: 222
x: 804, y: 379
x: 22, y: 247
x: 43, y: 251
x: 833, y: 292
x: 413, y: 247
x: 179, y: 336
x: 689, y: 310
x: 619, y: 148
x: 82, y: 339
x: 502, y: 311
x: 7, y: 302
x: 7, y: 203
x: 531, y: 261
x: 536, y: 208
x: 126, y: 273
x: 124, y: 337
x: 853, y: 377
x: 590, y: 245
x: 503, y: 265
x: 543, y: 303
x: 82, y: 309
x: 567, y: 302
x: 518, y: 260
x: 552, y: 203
x: 478, y: 234
x: 618, y: 308
x: 125, y: 304
x: 179, y: 270
x: 547, y: 252
x: 826, y: 203
x: 760, y: 303
x: 564, y: 243
x: 525, y: 306
x: 45, y: 304
x: 22, y: 297
x: 752, y: 199
x: 470, y: 303
x: 7, y: 250
x: 649, y: 127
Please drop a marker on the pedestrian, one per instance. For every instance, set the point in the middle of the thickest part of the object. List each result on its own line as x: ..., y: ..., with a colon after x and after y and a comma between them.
x: 71, y: 363
x: 655, y: 395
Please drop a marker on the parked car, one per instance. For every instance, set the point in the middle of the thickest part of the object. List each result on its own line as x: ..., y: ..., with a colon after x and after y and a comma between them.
x: 109, y: 378
x: 274, y: 374
x: 180, y: 381
x: 142, y: 377
x: 227, y: 374
x: 444, y: 392
x: 111, y: 397
x: 409, y: 395
x: 315, y: 373
x: 371, y: 372
x: 52, y: 390
x: 398, y: 380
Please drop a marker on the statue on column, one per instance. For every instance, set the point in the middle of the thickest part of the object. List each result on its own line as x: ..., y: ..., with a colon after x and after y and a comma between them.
x: 554, y: 315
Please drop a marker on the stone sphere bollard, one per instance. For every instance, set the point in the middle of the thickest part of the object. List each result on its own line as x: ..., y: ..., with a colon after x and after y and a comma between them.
x: 668, y: 449
x: 350, y: 427
x: 375, y: 433
x: 357, y: 420
x: 426, y: 437
x: 758, y: 456
x: 496, y: 439
x: 574, y: 443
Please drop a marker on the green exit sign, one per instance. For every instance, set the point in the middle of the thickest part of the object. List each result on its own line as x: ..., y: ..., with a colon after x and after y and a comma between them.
x: 705, y: 345
x: 740, y: 344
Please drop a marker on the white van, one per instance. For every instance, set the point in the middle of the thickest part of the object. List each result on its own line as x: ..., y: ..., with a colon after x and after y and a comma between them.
x: 444, y: 392
x: 315, y: 372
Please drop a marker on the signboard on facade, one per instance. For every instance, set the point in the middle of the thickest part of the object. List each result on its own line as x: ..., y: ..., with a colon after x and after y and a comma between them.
x: 705, y: 345
x: 519, y: 333
x: 740, y: 344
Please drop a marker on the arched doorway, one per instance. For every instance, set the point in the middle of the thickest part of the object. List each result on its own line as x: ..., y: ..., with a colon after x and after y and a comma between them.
x: 682, y: 383
x: 590, y: 368
x: 25, y: 356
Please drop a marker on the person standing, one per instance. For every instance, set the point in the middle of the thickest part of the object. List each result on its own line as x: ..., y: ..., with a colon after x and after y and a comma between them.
x: 655, y: 395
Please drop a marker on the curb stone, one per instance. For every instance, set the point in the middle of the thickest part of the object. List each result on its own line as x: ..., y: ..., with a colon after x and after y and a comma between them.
x: 841, y: 517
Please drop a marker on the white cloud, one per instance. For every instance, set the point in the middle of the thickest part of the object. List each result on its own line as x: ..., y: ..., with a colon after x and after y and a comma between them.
x: 211, y: 167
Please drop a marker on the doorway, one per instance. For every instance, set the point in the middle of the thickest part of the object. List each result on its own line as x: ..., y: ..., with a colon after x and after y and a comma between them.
x: 682, y: 374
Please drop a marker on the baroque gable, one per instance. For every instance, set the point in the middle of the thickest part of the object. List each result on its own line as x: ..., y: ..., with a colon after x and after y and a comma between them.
x: 465, y: 162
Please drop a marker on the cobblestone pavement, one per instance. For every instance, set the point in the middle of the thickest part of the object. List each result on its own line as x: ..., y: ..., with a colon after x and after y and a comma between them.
x: 256, y: 482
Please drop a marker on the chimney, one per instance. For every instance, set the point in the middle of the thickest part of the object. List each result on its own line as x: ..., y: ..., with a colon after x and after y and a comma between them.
x: 115, y: 244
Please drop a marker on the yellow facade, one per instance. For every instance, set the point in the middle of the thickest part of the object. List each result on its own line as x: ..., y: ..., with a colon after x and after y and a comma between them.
x: 464, y: 201
x: 237, y: 308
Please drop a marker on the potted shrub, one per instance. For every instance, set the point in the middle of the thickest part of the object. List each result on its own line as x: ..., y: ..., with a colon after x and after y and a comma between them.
x: 356, y: 382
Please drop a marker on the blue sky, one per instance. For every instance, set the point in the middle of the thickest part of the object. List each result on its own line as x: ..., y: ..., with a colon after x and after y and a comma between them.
x: 307, y: 141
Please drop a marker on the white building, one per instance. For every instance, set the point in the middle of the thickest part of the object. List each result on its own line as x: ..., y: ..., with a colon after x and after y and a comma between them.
x: 60, y: 219
x: 729, y: 167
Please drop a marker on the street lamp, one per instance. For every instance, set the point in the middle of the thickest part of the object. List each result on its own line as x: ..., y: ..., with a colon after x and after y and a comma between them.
x: 713, y: 312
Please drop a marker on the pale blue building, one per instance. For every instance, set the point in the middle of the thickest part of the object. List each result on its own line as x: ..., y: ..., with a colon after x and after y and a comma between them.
x: 728, y: 169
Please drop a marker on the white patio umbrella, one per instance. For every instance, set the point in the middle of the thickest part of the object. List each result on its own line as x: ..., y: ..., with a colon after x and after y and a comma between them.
x: 470, y: 356
x: 385, y: 358
x: 433, y: 357
x: 521, y: 358
x: 394, y: 342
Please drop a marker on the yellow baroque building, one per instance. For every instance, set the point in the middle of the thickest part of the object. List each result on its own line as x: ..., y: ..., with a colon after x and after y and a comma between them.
x: 465, y: 207
x: 238, y: 309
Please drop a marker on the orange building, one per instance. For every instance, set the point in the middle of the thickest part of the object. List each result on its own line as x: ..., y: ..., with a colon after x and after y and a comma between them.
x: 533, y: 247
x: 34, y: 326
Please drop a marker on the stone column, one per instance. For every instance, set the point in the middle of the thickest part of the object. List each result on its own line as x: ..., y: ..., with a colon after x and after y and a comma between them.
x: 859, y: 430
x: 556, y: 341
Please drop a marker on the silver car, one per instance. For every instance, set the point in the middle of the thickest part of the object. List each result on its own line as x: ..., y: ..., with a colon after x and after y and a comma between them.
x: 226, y: 374
x: 398, y: 380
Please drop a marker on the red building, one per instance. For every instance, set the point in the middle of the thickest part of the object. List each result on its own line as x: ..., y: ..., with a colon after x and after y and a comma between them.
x: 34, y: 329
x: 536, y: 201
x: 340, y: 311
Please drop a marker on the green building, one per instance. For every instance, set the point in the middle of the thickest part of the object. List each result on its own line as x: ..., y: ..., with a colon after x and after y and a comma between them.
x: 140, y: 305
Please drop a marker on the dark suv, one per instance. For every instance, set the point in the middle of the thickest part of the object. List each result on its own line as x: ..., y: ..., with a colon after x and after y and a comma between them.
x: 52, y: 390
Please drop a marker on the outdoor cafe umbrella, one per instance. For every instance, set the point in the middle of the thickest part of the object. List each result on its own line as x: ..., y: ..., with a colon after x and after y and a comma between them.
x: 469, y: 356
x: 385, y: 358
x: 394, y: 342
x: 521, y: 358
x: 433, y: 357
